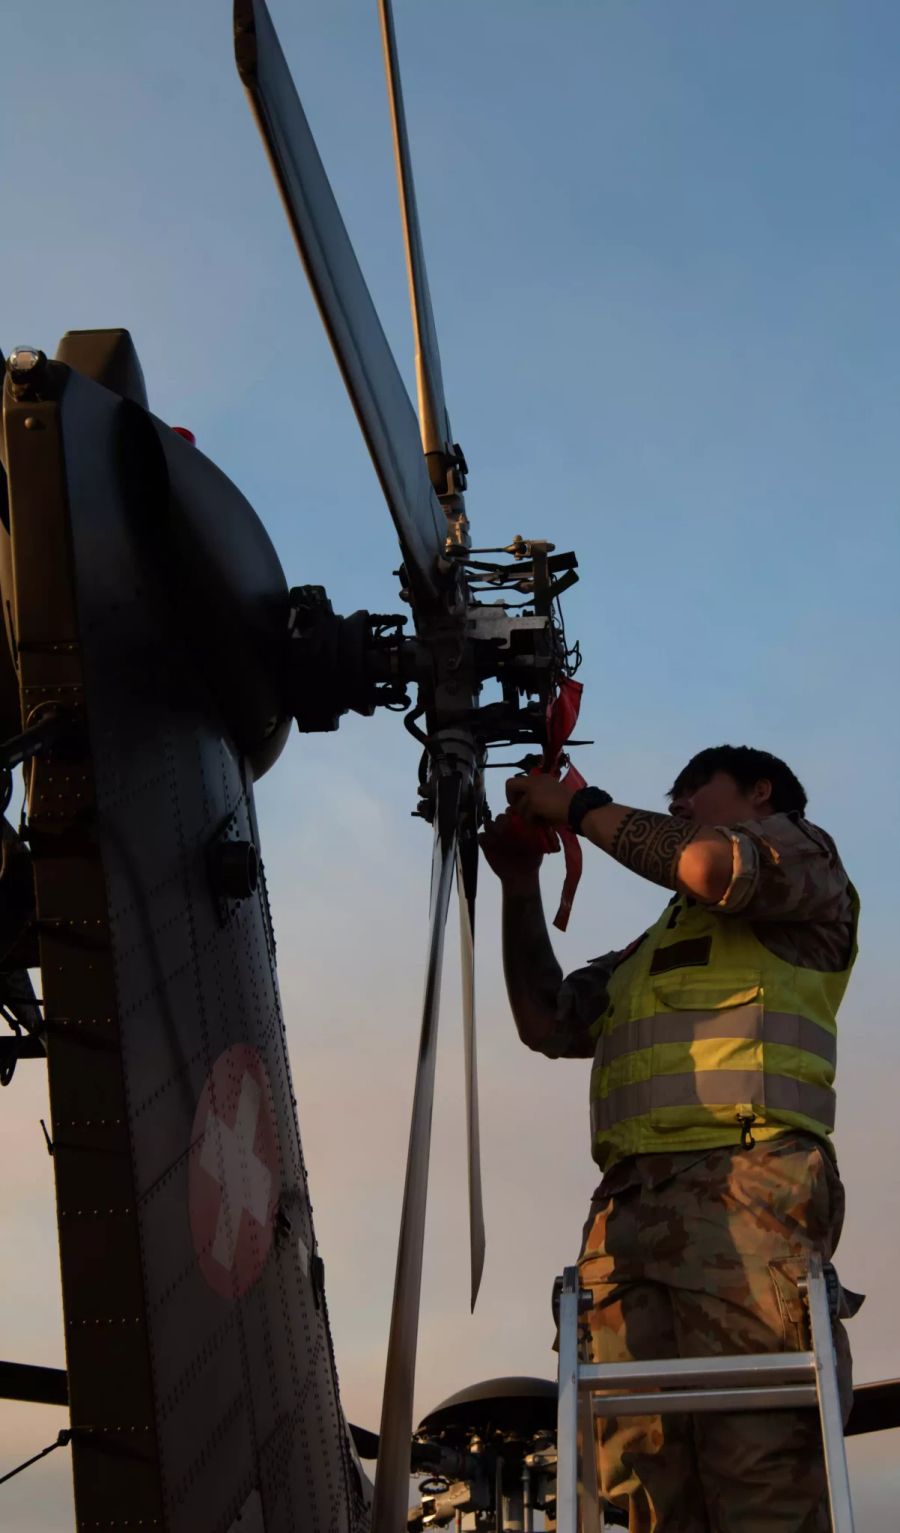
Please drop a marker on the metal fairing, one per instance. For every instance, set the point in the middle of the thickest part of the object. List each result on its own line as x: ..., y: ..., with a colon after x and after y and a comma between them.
x: 200, y: 1369
x: 226, y: 583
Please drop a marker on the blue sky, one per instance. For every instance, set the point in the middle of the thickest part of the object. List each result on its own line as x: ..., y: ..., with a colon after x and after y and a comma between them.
x: 663, y: 240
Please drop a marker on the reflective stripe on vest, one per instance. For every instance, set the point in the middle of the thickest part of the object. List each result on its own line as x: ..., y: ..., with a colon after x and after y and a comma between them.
x: 714, y: 1088
x: 736, y: 1022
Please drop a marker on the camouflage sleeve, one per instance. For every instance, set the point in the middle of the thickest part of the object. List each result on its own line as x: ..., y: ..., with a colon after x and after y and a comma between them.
x: 784, y: 869
x: 581, y: 999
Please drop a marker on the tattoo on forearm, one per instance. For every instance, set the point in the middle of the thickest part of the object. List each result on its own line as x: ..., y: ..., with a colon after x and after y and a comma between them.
x: 651, y: 844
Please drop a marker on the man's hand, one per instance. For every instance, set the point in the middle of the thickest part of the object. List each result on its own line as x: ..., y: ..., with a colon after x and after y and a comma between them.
x: 515, y: 859
x: 539, y: 797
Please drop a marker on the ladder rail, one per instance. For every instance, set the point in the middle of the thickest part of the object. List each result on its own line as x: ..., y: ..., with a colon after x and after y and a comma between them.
x: 567, y: 1419
x: 839, y: 1503
x: 753, y: 1381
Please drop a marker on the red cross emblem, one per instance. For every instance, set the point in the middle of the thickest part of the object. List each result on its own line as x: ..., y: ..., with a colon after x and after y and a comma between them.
x: 234, y: 1176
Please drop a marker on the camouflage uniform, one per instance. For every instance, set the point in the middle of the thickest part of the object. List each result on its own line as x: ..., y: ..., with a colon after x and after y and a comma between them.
x: 699, y: 1253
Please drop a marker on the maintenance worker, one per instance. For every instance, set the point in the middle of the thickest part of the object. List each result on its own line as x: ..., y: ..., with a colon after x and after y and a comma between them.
x: 712, y: 1102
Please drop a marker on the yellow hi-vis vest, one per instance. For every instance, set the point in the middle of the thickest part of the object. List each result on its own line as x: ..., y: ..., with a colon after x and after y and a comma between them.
x: 707, y: 1031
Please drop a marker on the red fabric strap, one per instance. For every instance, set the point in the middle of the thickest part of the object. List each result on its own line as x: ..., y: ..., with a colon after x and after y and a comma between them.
x: 562, y: 716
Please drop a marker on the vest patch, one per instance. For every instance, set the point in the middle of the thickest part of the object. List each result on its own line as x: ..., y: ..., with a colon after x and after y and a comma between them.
x: 692, y: 953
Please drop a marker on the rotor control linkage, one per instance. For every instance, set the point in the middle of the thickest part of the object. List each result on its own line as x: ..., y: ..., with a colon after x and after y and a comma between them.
x: 336, y: 664
x: 452, y: 750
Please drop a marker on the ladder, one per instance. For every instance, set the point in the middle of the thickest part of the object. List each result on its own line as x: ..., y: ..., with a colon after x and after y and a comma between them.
x: 754, y: 1381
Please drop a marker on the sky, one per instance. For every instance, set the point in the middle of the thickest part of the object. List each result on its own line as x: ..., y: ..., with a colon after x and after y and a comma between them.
x: 663, y: 239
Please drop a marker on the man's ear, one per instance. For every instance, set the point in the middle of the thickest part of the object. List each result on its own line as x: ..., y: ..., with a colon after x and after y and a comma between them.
x: 761, y: 794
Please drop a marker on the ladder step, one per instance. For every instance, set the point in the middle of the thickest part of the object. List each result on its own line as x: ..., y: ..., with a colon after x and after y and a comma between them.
x: 753, y: 1368
x: 667, y: 1402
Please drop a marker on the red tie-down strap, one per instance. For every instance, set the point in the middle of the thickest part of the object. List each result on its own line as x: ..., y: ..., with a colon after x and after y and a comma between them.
x: 562, y: 716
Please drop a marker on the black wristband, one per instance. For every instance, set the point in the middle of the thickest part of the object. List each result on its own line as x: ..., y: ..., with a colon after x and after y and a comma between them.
x: 582, y: 802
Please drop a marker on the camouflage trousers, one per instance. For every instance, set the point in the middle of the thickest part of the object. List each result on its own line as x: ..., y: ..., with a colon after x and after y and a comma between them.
x: 695, y: 1255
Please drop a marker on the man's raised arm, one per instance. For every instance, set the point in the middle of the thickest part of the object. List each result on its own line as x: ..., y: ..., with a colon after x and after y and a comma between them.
x: 533, y: 975
x: 674, y: 852
x: 534, y: 980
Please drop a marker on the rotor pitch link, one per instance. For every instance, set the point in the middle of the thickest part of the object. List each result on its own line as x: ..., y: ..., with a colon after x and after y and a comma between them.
x: 521, y: 569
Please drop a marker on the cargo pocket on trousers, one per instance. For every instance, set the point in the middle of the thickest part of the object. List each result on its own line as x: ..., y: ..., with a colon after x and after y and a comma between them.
x: 786, y: 1279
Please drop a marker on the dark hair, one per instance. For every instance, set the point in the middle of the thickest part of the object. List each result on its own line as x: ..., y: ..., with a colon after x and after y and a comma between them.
x: 747, y: 766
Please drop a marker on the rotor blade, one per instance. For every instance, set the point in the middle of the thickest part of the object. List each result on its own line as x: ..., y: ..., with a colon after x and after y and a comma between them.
x: 466, y: 883
x: 389, y: 1507
x: 433, y: 422
x: 366, y: 361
